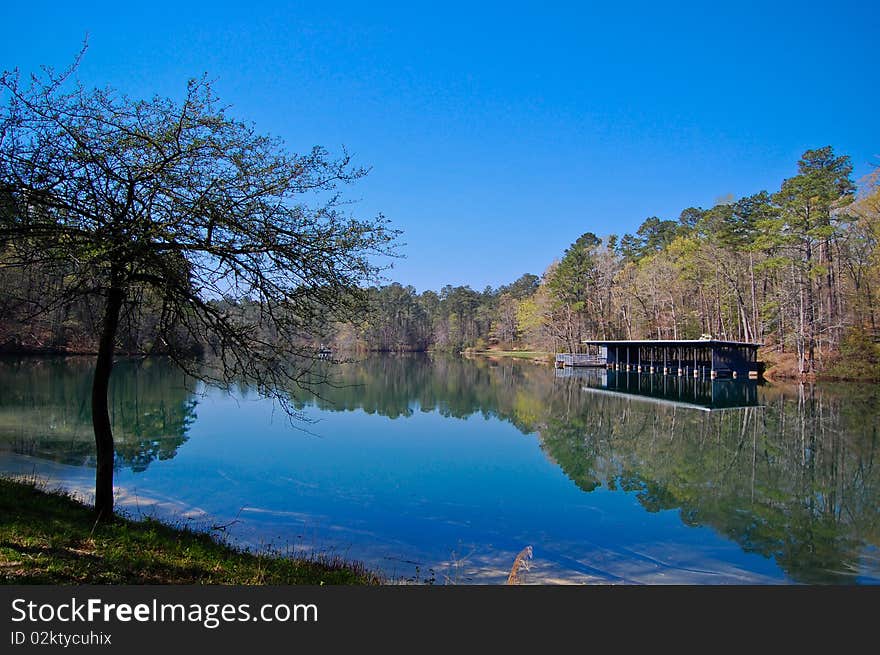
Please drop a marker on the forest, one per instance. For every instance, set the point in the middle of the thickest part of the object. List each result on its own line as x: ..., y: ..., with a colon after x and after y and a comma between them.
x: 796, y: 269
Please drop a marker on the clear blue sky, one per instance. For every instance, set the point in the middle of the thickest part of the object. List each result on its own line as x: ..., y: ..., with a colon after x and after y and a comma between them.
x: 497, y: 133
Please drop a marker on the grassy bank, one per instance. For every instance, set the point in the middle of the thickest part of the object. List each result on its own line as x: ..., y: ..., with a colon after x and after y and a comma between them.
x: 50, y: 538
x: 532, y: 355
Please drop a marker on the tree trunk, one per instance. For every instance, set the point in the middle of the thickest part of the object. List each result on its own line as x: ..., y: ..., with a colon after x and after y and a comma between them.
x: 810, y: 308
x: 100, y: 410
x: 757, y: 328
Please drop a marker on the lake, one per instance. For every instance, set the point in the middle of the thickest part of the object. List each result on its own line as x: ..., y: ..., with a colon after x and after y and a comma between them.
x: 442, y: 469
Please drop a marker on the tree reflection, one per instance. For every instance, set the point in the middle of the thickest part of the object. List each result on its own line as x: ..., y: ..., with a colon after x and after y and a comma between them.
x: 791, y: 477
x: 45, y: 410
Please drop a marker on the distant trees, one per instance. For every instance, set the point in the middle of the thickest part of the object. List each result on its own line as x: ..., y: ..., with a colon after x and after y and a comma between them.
x: 398, y: 320
x: 173, y: 229
x: 506, y: 326
x: 572, y: 287
x: 127, y: 205
x: 808, y: 231
x: 859, y: 256
x: 797, y: 269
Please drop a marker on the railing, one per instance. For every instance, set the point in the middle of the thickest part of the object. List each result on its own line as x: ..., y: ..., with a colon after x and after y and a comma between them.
x: 577, y: 359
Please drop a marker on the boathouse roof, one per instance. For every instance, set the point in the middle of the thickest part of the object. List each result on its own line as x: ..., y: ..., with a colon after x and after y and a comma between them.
x: 669, y: 342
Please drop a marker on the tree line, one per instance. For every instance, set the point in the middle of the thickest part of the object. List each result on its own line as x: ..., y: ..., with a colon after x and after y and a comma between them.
x: 797, y: 269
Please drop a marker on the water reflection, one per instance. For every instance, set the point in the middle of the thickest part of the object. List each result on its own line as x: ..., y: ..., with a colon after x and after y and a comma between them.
x: 794, y: 480
x: 785, y: 472
x: 45, y: 410
x: 684, y: 391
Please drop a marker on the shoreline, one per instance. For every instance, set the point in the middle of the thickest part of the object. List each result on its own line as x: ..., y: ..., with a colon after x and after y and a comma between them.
x: 770, y: 375
x: 774, y: 372
x: 537, y: 356
x: 50, y: 537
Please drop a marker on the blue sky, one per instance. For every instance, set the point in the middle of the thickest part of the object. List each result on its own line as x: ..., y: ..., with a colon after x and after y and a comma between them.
x: 498, y: 133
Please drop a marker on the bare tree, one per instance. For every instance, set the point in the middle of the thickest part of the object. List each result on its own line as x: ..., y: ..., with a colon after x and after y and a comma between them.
x: 242, y: 246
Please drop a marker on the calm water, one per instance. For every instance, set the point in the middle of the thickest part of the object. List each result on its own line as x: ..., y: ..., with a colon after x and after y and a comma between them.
x: 444, y: 468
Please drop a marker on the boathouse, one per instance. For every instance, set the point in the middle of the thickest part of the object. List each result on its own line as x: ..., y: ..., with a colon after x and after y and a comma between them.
x: 710, y: 358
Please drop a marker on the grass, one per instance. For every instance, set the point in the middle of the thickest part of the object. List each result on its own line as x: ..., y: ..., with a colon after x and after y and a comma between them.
x: 51, y: 538
x: 521, y: 354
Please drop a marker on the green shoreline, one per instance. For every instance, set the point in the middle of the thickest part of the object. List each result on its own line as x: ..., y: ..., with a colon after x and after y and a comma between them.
x: 48, y: 537
x: 542, y: 356
x: 773, y: 372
